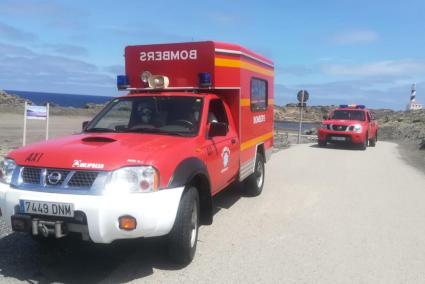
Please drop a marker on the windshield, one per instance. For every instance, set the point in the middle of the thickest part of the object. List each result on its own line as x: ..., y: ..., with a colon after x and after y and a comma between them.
x: 150, y: 114
x: 348, y: 115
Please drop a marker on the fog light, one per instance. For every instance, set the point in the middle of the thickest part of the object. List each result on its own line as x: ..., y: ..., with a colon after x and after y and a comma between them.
x: 21, y: 223
x: 127, y: 223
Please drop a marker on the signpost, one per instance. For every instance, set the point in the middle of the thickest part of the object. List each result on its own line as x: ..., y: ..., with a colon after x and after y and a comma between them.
x: 38, y: 113
x: 302, y: 97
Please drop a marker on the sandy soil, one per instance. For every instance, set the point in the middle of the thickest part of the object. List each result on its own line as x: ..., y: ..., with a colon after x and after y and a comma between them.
x: 11, y: 129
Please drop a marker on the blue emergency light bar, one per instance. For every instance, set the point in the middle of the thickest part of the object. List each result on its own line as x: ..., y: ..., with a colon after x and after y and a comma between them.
x: 353, y: 106
x: 204, y: 80
x: 122, y: 82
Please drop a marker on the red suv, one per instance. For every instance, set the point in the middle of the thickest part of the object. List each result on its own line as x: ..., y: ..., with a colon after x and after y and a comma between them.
x: 349, y: 124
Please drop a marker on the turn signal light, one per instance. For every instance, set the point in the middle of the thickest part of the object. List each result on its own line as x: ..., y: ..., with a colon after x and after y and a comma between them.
x: 127, y: 223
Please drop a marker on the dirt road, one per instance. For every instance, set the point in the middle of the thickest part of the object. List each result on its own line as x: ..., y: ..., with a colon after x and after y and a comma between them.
x: 326, y: 216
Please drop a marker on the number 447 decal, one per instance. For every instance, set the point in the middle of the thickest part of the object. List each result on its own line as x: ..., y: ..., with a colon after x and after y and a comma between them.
x: 34, y: 157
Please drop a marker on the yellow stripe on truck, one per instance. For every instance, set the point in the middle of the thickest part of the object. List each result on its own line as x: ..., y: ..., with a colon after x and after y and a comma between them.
x: 235, y: 63
x: 247, y: 102
x: 252, y: 142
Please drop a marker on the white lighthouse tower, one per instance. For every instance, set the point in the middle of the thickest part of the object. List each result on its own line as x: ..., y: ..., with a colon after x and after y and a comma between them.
x: 413, y: 105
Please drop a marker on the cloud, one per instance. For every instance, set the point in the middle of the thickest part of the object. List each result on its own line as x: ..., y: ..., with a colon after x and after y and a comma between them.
x: 224, y: 18
x: 12, y: 33
x: 14, y: 50
x: 54, y: 14
x: 295, y: 70
x: 115, y: 69
x: 66, y: 49
x: 133, y: 31
x: 23, y: 69
x: 30, y: 8
x: 381, y: 68
x: 353, y: 37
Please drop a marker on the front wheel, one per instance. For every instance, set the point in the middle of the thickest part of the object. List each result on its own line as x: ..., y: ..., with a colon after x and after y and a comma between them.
x: 363, y: 145
x: 322, y: 143
x: 184, y: 235
x: 372, y: 142
x: 255, y: 182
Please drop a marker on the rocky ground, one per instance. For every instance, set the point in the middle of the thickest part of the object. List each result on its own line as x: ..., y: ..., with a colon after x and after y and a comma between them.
x: 291, y: 112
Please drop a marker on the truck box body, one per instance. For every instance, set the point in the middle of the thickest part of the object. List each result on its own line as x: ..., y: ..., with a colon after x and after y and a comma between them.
x: 232, y: 68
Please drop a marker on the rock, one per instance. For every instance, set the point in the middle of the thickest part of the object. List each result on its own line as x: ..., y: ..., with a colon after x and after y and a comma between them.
x: 12, y: 100
x: 422, y: 145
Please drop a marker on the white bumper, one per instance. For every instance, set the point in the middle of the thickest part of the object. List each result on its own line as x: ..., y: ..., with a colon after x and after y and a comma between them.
x: 155, y: 212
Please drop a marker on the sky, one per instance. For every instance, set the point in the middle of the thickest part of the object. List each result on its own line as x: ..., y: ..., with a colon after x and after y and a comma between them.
x: 340, y: 51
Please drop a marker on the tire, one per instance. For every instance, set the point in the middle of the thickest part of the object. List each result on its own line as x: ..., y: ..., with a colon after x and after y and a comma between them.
x: 322, y: 143
x: 183, y: 237
x: 255, y: 182
x: 363, y: 146
x: 372, y: 142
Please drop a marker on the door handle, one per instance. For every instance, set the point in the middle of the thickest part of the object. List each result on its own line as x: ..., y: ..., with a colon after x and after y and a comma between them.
x: 233, y: 141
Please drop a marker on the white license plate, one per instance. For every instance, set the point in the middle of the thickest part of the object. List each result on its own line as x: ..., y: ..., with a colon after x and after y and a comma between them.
x: 47, y: 208
x: 338, y: 138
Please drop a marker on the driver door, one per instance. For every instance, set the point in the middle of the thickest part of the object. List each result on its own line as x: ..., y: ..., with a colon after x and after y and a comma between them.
x: 222, y: 151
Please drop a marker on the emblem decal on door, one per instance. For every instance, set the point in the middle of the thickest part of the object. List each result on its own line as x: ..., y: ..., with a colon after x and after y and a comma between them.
x: 225, y: 155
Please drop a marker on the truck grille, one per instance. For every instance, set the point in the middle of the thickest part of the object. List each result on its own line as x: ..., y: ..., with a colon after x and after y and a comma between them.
x: 339, y: 127
x: 58, y: 178
x: 82, y: 179
x: 31, y: 175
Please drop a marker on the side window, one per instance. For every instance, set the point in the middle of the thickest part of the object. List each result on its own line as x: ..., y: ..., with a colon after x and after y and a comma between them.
x: 217, y: 112
x: 259, y: 95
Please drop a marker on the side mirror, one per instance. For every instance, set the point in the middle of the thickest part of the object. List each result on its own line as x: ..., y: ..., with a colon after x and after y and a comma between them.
x: 218, y: 129
x: 84, y: 126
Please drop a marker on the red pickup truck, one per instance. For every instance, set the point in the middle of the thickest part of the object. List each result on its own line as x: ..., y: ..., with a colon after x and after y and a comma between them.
x: 198, y: 116
x: 349, y: 124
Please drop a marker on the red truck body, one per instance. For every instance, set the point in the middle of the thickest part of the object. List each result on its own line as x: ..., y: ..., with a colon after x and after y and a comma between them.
x: 352, y: 124
x: 198, y: 116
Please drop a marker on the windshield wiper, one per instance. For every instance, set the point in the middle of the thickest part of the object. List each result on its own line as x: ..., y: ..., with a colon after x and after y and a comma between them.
x: 100, y: 129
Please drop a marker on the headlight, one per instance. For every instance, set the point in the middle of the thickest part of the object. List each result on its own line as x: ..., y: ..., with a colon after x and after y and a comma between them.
x: 324, y: 126
x: 7, y: 166
x: 356, y: 128
x: 132, y: 180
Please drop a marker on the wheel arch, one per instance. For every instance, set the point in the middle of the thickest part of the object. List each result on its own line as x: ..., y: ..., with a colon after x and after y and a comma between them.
x: 193, y: 172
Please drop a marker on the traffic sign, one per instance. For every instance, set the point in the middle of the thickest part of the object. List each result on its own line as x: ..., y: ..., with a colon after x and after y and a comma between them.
x: 302, y: 98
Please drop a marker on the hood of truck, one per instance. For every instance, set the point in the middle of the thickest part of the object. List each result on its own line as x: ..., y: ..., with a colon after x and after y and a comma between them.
x: 100, y: 151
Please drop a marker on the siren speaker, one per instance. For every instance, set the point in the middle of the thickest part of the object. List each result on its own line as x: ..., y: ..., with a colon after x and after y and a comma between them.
x: 158, y: 82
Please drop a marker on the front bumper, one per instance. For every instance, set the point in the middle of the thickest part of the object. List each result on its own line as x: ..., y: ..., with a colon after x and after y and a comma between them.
x: 155, y: 212
x: 349, y: 137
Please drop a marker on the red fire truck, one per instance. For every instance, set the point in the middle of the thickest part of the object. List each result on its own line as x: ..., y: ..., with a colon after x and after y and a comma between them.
x: 353, y: 124
x: 198, y: 116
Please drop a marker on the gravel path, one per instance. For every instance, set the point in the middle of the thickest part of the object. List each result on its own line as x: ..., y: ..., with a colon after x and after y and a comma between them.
x: 329, y: 215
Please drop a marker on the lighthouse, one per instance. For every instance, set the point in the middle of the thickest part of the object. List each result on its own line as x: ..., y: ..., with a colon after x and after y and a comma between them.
x: 413, y: 105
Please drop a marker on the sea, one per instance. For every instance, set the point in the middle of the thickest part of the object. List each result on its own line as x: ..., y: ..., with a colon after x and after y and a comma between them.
x: 294, y: 126
x: 65, y: 100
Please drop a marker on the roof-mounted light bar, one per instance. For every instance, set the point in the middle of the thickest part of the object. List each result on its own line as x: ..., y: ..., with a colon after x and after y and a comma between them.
x: 122, y: 82
x: 353, y: 106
